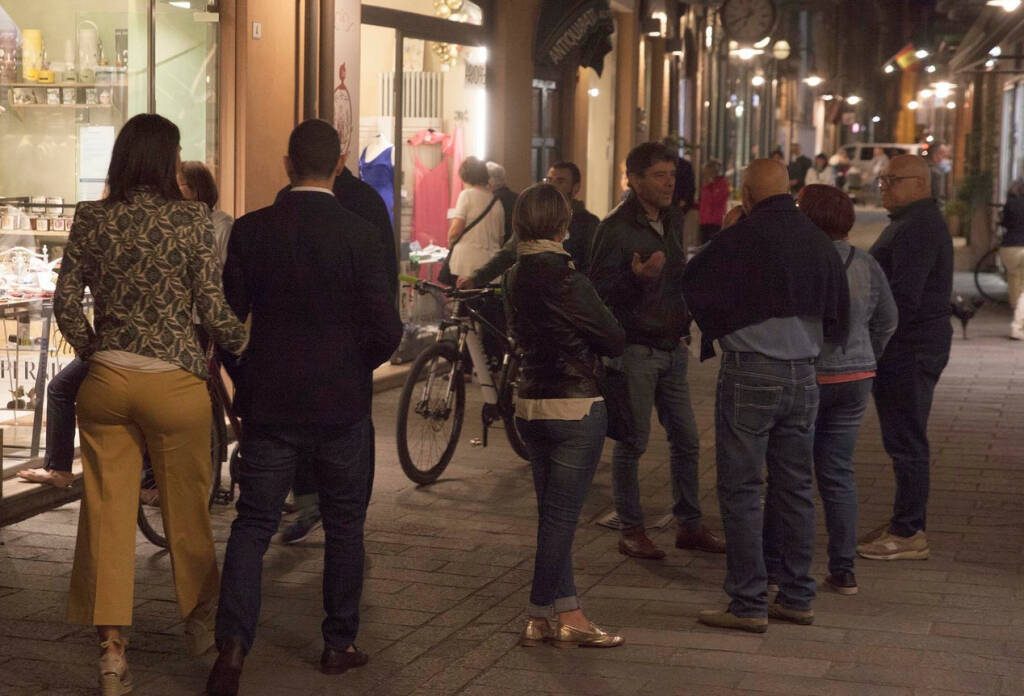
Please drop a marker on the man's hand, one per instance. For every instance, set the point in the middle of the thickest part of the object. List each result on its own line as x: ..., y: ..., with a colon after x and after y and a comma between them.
x: 651, y: 268
x: 464, y: 283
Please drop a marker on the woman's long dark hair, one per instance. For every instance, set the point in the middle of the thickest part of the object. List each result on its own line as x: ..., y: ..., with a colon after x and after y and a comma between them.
x: 145, y: 155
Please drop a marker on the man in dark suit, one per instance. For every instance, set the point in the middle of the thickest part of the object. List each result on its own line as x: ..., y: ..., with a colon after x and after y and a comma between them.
x: 355, y: 196
x: 312, y: 279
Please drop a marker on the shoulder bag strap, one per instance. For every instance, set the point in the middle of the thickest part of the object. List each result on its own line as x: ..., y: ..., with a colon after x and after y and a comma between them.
x: 473, y: 224
x: 849, y: 258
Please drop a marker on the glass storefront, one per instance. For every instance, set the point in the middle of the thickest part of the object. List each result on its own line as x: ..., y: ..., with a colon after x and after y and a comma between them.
x: 71, y: 74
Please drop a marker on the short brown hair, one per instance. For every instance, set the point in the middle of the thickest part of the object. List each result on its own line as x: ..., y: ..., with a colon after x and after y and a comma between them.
x: 474, y: 172
x: 200, y: 179
x: 541, y: 212
x: 828, y: 208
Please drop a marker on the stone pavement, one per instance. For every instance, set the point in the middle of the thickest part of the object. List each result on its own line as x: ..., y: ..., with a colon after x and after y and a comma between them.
x: 449, y: 567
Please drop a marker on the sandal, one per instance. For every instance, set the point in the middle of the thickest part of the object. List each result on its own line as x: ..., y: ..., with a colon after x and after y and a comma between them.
x: 54, y: 477
x: 115, y: 679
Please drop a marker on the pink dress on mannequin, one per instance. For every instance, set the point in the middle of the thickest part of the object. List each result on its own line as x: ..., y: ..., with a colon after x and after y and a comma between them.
x: 430, y: 193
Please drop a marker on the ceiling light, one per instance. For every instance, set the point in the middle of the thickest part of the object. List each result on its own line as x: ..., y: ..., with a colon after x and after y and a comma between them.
x: 914, y: 105
x: 930, y: 139
x: 594, y: 92
x: 827, y: 97
x: 990, y: 63
x: 763, y: 43
x: 781, y: 50
x: 1007, y: 5
x: 930, y: 69
x: 921, y: 53
x: 853, y: 99
x: 709, y: 36
x: 813, y: 80
x: 926, y: 93
x: 757, y: 80
x: 876, y: 119
x: 183, y: 4
x: 951, y: 105
x: 746, y: 53
x: 889, y: 69
x: 995, y: 51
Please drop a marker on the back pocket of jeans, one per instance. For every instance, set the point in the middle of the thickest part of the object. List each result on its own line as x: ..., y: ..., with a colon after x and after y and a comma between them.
x: 812, y: 397
x: 755, y: 408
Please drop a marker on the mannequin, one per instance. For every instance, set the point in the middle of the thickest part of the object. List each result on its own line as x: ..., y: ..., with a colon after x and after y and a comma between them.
x: 377, y: 145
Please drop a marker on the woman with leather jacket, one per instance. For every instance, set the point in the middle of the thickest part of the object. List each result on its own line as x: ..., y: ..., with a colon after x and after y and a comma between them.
x: 562, y: 327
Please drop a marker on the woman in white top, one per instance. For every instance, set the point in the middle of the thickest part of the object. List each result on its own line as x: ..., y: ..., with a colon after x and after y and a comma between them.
x: 478, y: 227
x: 820, y: 173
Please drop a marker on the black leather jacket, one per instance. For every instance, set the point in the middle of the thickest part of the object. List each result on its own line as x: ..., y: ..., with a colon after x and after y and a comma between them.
x: 553, y: 310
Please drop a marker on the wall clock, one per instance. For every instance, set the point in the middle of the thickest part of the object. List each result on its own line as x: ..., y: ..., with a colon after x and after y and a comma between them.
x: 747, y: 21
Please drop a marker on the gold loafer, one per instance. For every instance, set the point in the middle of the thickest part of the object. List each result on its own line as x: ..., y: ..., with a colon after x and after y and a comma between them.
x: 569, y: 637
x: 536, y: 631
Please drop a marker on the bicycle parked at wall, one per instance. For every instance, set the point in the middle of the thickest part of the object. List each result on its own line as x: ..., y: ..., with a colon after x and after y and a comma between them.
x: 224, y: 423
x: 432, y: 406
x: 990, y: 273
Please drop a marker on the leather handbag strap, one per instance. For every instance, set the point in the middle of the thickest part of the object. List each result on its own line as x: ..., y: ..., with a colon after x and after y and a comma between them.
x: 849, y: 258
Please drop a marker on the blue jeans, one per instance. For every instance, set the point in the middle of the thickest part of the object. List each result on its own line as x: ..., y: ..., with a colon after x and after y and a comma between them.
x: 564, y: 456
x: 764, y: 413
x: 344, y: 465
x: 840, y: 410
x: 61, y: 394
x: 657, y: 378
x: 904, y: 387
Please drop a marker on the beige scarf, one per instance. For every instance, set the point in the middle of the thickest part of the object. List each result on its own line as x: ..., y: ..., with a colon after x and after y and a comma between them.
x: 543, y: 246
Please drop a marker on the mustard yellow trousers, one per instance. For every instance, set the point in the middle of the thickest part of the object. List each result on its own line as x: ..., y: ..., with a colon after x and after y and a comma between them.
x: 120, y: 414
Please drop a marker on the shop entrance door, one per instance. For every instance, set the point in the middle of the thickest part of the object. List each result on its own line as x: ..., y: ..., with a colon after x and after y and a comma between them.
x: 546, y: 146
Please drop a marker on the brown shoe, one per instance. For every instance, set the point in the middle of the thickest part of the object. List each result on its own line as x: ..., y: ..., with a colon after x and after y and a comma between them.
x: 635, y: 542
x: 803, y: 618
x: 702, y: 539
x: 337, y: 661
x: 227, y: 670
x: 726, y: 619
x: 874, y: 535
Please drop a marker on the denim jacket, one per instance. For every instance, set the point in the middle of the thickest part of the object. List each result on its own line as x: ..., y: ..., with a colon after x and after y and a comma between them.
x: 873, y: 317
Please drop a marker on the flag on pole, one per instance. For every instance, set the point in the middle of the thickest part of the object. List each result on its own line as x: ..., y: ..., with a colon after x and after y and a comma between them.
x: 907, y: 57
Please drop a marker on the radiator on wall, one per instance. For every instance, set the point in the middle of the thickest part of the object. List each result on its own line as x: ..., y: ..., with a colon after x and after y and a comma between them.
x: 422, y: 97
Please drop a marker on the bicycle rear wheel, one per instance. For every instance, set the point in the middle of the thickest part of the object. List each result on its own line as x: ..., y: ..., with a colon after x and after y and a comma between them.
x: 430, y: 414
x: 990, y: 277
x: 507, y: 402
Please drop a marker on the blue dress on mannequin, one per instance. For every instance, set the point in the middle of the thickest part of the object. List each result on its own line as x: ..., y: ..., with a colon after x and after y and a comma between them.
x: 380, y: 174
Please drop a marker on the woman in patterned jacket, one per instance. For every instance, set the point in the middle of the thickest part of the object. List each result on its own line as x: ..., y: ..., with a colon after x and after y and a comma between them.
x: 147, y: 257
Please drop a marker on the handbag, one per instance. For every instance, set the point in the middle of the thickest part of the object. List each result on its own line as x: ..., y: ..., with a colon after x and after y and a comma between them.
x: 614, y: 387
x: 445, y: 275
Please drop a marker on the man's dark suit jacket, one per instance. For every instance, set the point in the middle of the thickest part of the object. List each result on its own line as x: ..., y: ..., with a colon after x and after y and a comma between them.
x: 357, y: 196
x: 315, y: 279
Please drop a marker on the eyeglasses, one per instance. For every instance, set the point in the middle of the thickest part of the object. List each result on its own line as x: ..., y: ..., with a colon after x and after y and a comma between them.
x: 888, y: 180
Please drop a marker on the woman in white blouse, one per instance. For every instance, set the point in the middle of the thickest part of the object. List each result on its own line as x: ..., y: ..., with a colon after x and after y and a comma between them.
x: 478, y: 225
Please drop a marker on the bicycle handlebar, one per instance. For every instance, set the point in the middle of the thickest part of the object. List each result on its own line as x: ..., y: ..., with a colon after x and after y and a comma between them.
x: 421, y: 286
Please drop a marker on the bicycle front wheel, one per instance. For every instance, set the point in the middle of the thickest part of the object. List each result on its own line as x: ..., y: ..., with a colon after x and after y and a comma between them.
x: 430, y: 413
x: 990, y: 277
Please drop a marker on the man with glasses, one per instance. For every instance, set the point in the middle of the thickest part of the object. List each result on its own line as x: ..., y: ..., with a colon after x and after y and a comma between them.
x: 916, y: 253
x: 637, y: 267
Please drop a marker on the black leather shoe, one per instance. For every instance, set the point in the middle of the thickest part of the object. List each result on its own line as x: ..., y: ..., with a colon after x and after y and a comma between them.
x: 227, y: 670
x: 337, y: 661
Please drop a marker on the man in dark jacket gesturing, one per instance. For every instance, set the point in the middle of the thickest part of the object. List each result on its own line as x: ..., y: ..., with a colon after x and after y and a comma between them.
x: 770, y: 289
x: 313, y: 279
x: 916, y: 253
x: 637, y: 267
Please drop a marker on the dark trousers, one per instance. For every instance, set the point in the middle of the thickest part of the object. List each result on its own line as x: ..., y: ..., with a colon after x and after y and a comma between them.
x: 343, y: 461
x: 61, y: 394
x: 564, y: 456
x: 903, y: 390
x: 764, y: 415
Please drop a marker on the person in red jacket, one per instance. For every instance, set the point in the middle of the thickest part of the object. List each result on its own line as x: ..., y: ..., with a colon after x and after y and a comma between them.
x: 714, y: 196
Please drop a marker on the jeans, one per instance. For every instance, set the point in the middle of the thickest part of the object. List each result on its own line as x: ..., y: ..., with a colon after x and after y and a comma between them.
x: 764, y: 413
x: 658, y: 378
x: 61, y: 394
x: 840, y: 410
x: 564, y: 456
x: 904, y: 387
x: 343, y: 461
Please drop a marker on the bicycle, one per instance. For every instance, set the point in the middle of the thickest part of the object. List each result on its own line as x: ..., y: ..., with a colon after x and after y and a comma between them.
x: 430, y: 415
x: 990, y: 273
x: 150, y: 519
